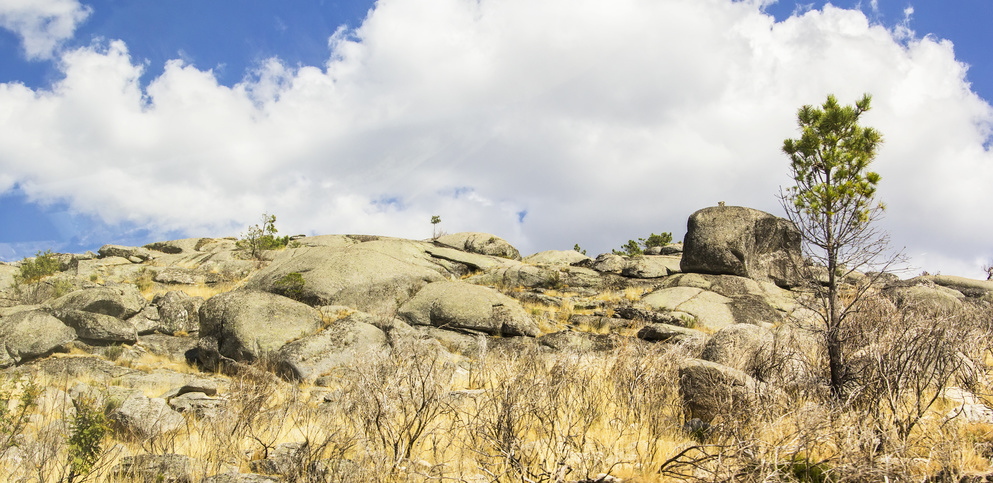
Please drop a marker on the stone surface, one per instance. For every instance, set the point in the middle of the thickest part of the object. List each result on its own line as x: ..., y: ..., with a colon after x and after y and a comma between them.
x: 121, y: 301
x: 121, y: 251
x: 159, y: 468
x: 35, y: 333
x: 672, y: 334
x: 711, y: 390
x: 557, y: 258
x: 482, y: 243
x: 744, y: 347
x: 240, y: 478
x: 143, y: 418
x: 457, y: 305
x: 248, y: 323
x: 178, y: 312
x: 370, y: 276
x: 741, y: 241
x: 342, y: 343
x: 98, y: 327
x: 519, y: 275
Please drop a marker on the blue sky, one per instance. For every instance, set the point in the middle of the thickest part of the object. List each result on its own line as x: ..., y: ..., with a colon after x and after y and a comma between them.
x: 549, y: 123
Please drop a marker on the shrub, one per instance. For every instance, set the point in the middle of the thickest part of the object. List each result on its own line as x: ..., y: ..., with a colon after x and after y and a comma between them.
x: 41, y: 266
x: 89, y: 427
x: 631, y: 249
x: 260, y: 238
x: 291, y: 285
x: 654, y: 240
x: 579, y: 249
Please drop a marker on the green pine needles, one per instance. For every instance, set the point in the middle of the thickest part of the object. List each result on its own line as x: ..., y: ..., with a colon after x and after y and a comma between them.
x: 829, y: 164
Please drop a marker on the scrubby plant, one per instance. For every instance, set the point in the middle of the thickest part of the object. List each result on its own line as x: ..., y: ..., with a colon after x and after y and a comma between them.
x: 579, y: 249
x: 262, y: 237
x: 89, y: 427
x: 291, y: 285
x: 42, y: 265
x: 434, y: 226
x: 631, y: 249
x: 654, y: 240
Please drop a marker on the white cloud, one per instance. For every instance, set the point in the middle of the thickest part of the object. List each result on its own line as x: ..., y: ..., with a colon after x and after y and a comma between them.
x: 42, y: 24
x: 604, y: 121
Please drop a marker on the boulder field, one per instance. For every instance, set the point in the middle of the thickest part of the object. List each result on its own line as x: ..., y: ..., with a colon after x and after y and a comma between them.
x: 728, y: 293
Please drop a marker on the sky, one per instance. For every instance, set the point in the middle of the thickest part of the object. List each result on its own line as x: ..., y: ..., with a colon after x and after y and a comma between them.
x: 549, y: 123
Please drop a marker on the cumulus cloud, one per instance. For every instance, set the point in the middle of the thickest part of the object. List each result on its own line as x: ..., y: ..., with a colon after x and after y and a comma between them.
x: 42, y: 24
x: 548, y: 123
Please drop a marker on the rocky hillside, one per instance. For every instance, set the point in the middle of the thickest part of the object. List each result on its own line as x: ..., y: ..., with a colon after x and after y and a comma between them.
x: 164, y: 337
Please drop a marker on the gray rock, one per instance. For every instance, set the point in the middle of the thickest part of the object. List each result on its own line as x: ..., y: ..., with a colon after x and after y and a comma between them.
x: 249, y: 323
x: 177, y: 276
x: 745, y: 347
x: 34, y: 333
x: 285, y: 459
x: 482, y: 243
x: 642, y: 266
x: 519, y: 275
x: 198, y: 404
x: 716, y: 301
x: 741, y: 241
x: 557, y: 258
x: 141, y: 254
x: 365, y: 276
x: 673, y: 334
x: 966, y: 286
x: 456, y: 305
x: 121, y: 301
x: 473, y: 261
x: 143, y: 418
x: 466, y: 344
x: 178, y: 312
x: 926, y: 295
x: 340, y: 344
x: 711, y: 390
x: 98, y: 327
x: 164, y: 468
x: 574, y: 341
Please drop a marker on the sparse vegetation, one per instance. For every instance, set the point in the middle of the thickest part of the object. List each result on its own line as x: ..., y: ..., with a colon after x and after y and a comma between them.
x: 434, y: 226
x: 291, y: 285
x: 262, y: 237
x: 635, y: 248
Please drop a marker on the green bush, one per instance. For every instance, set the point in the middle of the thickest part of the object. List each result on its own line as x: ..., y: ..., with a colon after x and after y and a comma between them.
x: 291, y: 285
x: 41, y: 266
x: 654, y: 240
x: 631, y: 249
x: 89, y: 427
x: 260, y: 238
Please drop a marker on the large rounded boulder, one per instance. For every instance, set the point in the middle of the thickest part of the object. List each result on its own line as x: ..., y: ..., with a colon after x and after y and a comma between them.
x: 461, y: 306
x: 121, y: 301
x: 734, y: 240
x: 33, y: 333
x: 370, y: 277
x: 249, y: 323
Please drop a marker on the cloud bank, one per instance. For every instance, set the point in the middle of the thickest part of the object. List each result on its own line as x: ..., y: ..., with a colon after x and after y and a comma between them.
x: 548, y: 123
x: 42, y: 25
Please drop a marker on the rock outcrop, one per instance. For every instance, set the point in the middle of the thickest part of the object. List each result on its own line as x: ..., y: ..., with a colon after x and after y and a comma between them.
x: 249, y: 323
x: 460, y: 306
x: 734, y: 240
